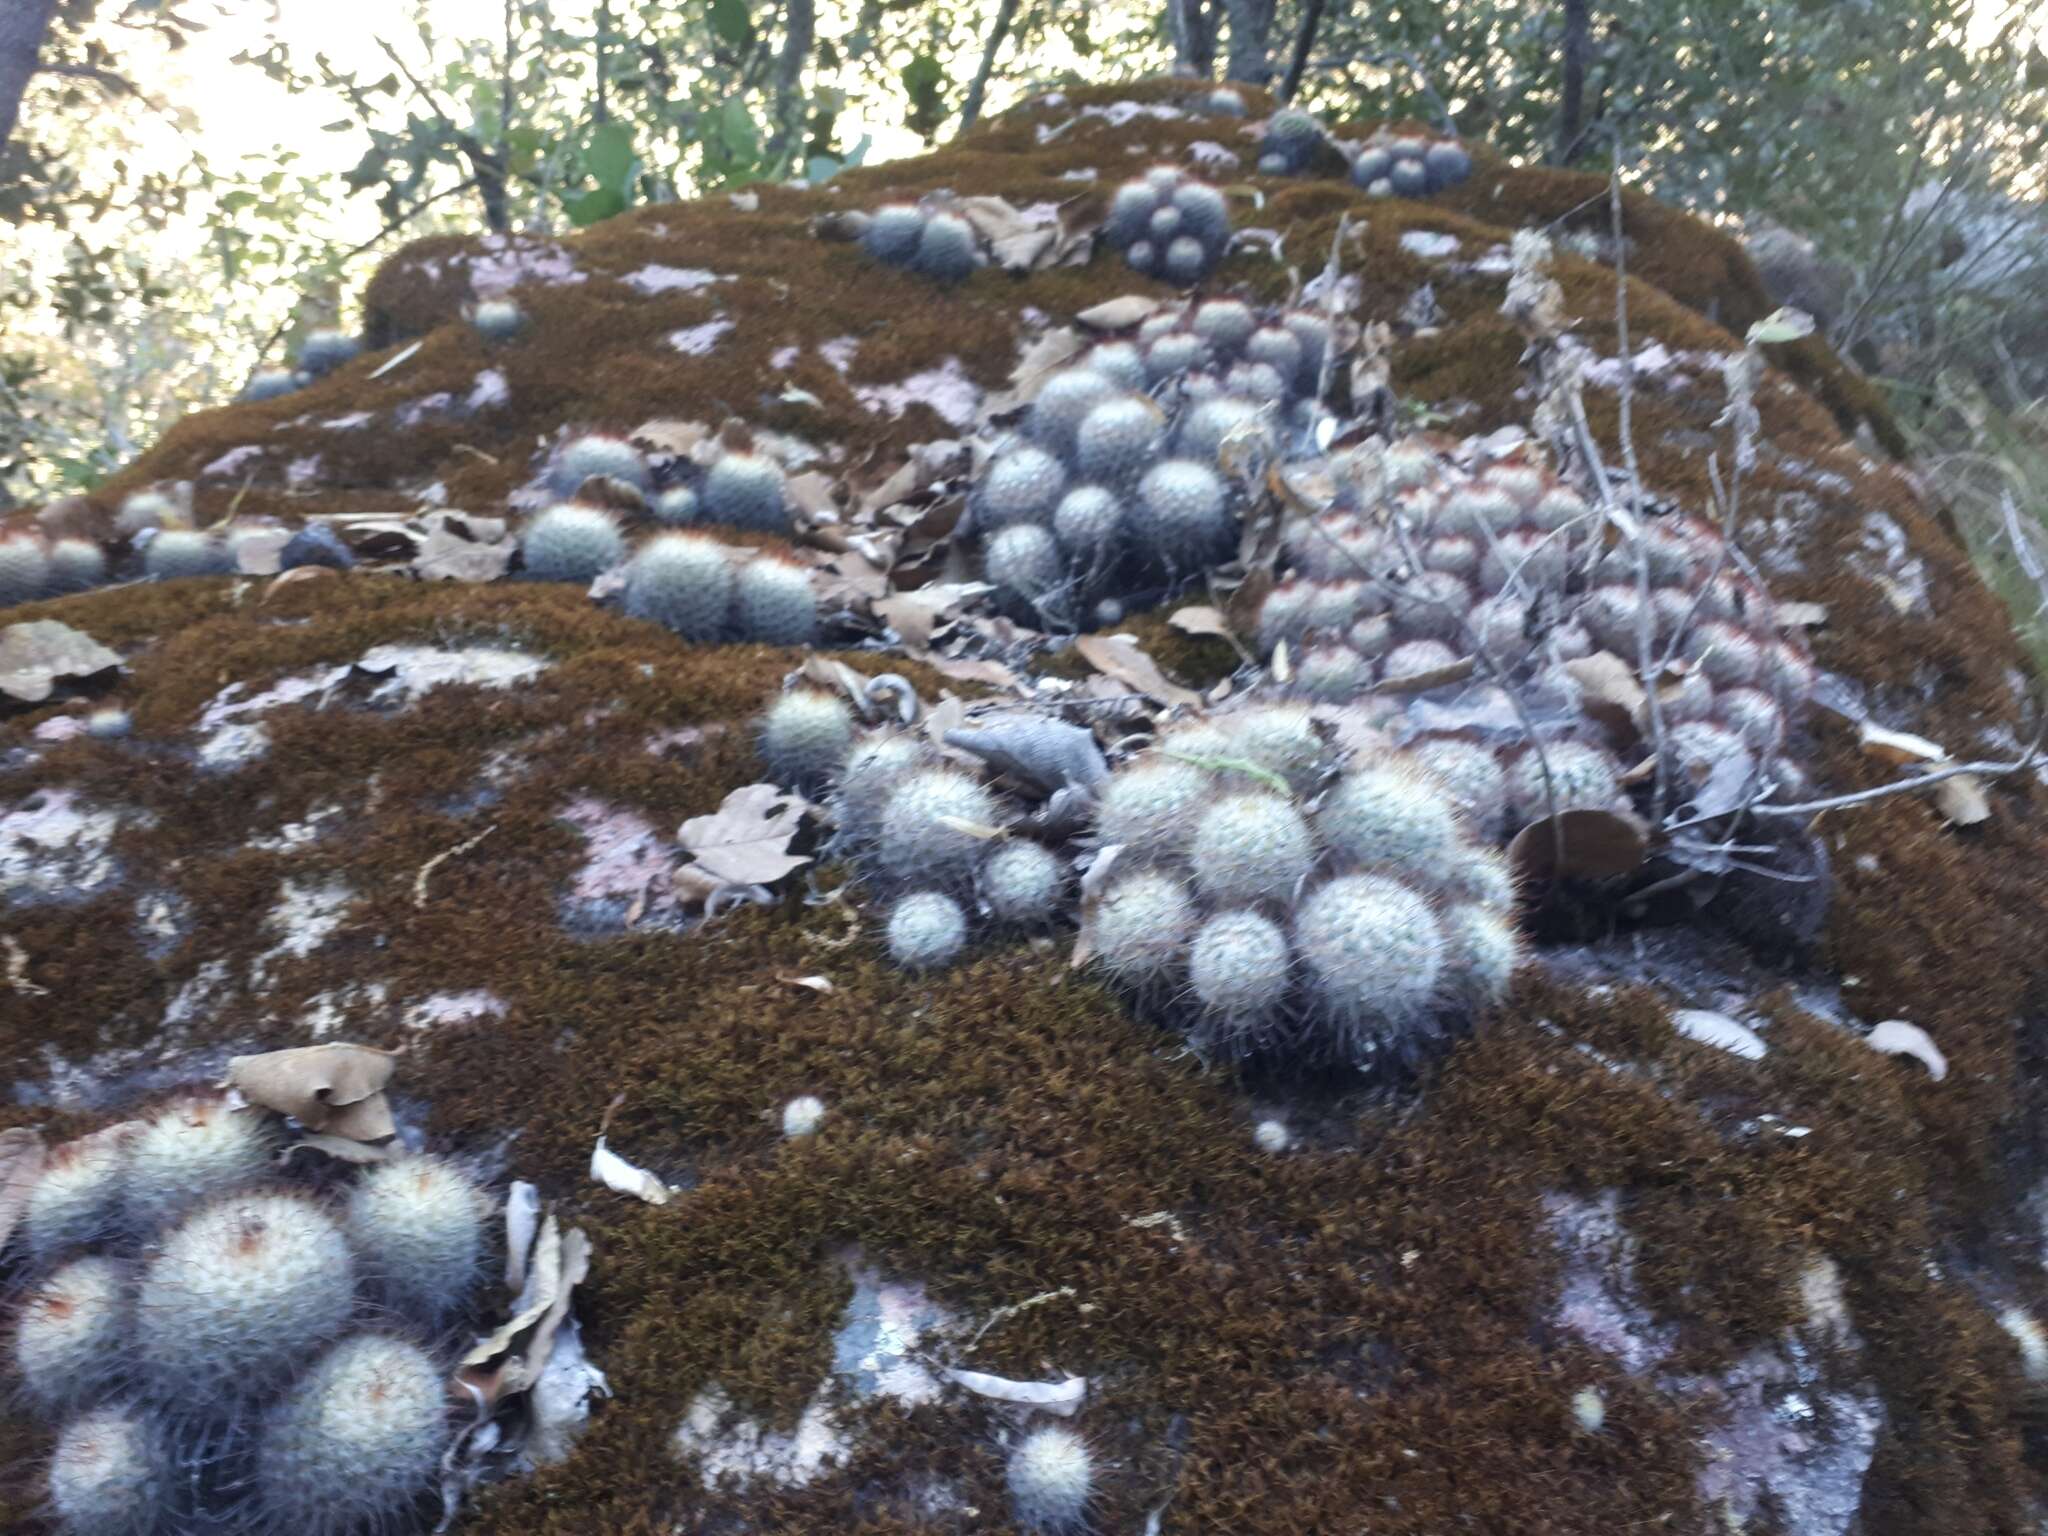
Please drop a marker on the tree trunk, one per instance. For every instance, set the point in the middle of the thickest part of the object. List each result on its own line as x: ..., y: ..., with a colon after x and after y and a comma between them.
x: 1304, y: 41
x: 1251, y: 21
x: 22, y: 25
x: 971, y: 112
x: 1192, y: 26
x: 1571, y: 117
x: 800, y: 28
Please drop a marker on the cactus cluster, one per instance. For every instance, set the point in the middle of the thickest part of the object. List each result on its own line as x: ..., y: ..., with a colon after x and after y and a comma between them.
x: 1291, y: 143
x: 31, y: 569
x: 1427, y: 575
x: 709, y: 593
x: 1403, y: 165
x: 1169, y: 224
x: 936, y: 243
x: 1127, y: 472
x: 1271, y: 908
x: 230, y: 1341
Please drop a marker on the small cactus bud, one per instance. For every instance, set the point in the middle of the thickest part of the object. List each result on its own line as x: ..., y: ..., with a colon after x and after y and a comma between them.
x: 1222, y: 419
x: 1024, y: 561
x: 893, y: 234
x: 1471, y: 775
x: 1139, y: 927
x: 1447, y: 163
x: 1373, y: 164
x: 676, y: 507
x: 1089, y: 526
x: 927, y: 930
x: 1164, y: 225
x: 1727, y: 653
x: 568, y: 542
x: 316, y: 544
x: 1431, y: 605
x: 77, y: 1199
x: 802, y: 1116
x: 498, y: 319
x: 1052, y: 1477
x: 76, y: 565
x: 1223, y: 102
x: 1417, y: 658
x: 774, y: 602
x: 1410, y: 178
x: 1131, y: 208
x: 611, y: 458
x: 683, y: 581
x: 269, y: 383
x: 1063, y: 402
x: 323, y: 351
x: 68, y: 1343
x: 1183, y: 514
x: 1204, y: 213
x: 1332, y: 673
x: 1185, y: 261
x: 1226, y: 324
x: 145, y: 509
x: 873, y: 767
x: 805, y: 736
x: 1390, y: 817
x: 1292, y: 137
x: 1174, y: 353
x: 1481, y: 951
x: 1021, y: 882
x: 746, y: 490
x: 946, y: 250
x: 110, y: 1474
x: 193, y: 1150
x: 1148, y: 807
x: 1240, y: 969
x: 1581, y: 777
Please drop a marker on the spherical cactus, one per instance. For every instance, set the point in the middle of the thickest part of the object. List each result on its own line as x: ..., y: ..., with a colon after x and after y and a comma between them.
x: 1118, y: 439
x: 145, y: 509
x: 927, y: 930
x: 1278, y: 348
x: 1447, y: 162
x: 746, y: 490
x: 1410, y: 178
x: 1292, y: 137
x: 1121, y: 362
x: 68, y: 1343
x: 683, y: 581
x: 1063, y: 402
x: 1148, y: 807
x: 1282, y: 739
x: 77, y: 1200
x: 498, y: 319
x: 1219, y: 421
x: 774, y: 602
x: 946, y: 249
x: 1223, y: 102
x: 1184, y: 514
x: 1022, y: 485
x: 1164, y: 226
x: 1176, y: 352
x: 173, y: 554
x: 1089, y: 524
x: 1021, y: 882
x: 237, y: 1294
x: 1332, y: 673
x: 1417, y: 659
x: 269, y: 383
x: 1580, y: 777
x: 1138, y: 929
x: 76, y: 565
x: 1475, y: 874
x: 805, y: 736
x: 610, y: 458
x: 893, y: 233
x: 316, y: 544
x: 1131, y: 208
x: 418, y: 1228
x: 1251, y: 847
x: 802, y: 1116
x: 1258, y: 382
x: 356, y: 1442
x: 1025, y: 560
x: 1697, y: 747
x: 1481, y: 951
x: 1185, y: 261
x: 676, y: 507
x: 873, y: 767
x: 1226, y: 324
x: 568, y: 542
x: 24, y: 571
x: 1373, y: 955
x: 110, y: 1474
x: 924, y: 833
x: 1727, y: 653
x: 1431, y: 605
x: 1052, y: 1477
x: 1240, y: 969
x: 1204, y: 213
x: 1372, y: 164
x: 190, y: 1151
x: 109, y: 724
x: 1472, y: 776
x: 1391, y: 817
x: 1142, y: 256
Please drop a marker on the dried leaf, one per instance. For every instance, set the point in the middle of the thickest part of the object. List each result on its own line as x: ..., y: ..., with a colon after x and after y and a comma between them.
x: 1801, y: 615
x: 1039, y: 752
x: 614, y: 1172
x: 1201, y: 620
x: 344, y: 1150
x: 522, y: 1223
x: 1121, y: 313
x: 293, y: 577
x: 665, y: 436
x: 1720, y: 1031
x: 22, y: 1155
x: 259, y: 554
x: 1061, y: 1397
x: 994, y: 673
x: 746, y: 841
x: 1962, y: 801
x: 335, y: 1089
x: 1610, y: 692
x: 1579, y: 845
x: 916, y: 615
x: 454, y: 551
x: 1423, y: 682
x: 1787, y: 324
x: 974, y: 829
x: 1120, y: 657
x: 38, y: 656
x: 1897, y: 746
x: 819, y: 984
x: 1895, y: 1037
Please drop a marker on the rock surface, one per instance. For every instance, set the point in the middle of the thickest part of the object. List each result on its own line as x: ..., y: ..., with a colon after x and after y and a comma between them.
x: 437, y: 815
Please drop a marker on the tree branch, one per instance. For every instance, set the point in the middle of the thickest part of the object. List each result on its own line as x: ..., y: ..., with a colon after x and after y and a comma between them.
x: 1304, y: 40
x: 970, y: 113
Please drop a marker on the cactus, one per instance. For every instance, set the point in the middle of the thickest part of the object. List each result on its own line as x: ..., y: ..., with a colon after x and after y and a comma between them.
x: 1089, y: 524
x: 923, y: 836
x: 145, y: 509
x: 77, y: 1200
x: 1481, y: 951
x: 893, y: 233
x: 1120, y: 362
x: 596, y: 455
x: 498, y: 319
x: 1148, y: 808
x: 1021, y: 883
x: 1579, y: 777
x: 325, y: 350
x: 805, y: 736
x: 802, y: 1116
x: 1183, y: 514
x: 1472, y: 776
x: 68, y: 1343
x: 1025, y: 560
x: 110, y: 1474
x: 947, y: 251
x: 1223, y: 102
x: 316, y: 544
x: 1063, y: 402
x: 1117, y: 439
x: 172, y: 554
x: 189, y: 1151
x: 568, y: 542
x: 1051, y: 1476
x: 24, y: 571
x: 1021, y: 485
x: 1204, y: 212
x: 1248, y: 847
x: 1205, y: 429
x: 869, y: 776
x: 236, y: 1295
x: 1373, y: 955
x: 1226, y: 324
x: 774, y: 602
x: 683, y: 581
x: 1292, y: 138
x: 417, y: 1225
x: 676, y: 507
x: 1391, y: 818
x: 1240, y: 969
x: 746, y: 490
x: 76, y: 565
x: 927, y: 930
x: 355, y: 1443
x: 269, y: 383
x: 1447, y: 162
x: 108, y: 724
x: 1138, y: 928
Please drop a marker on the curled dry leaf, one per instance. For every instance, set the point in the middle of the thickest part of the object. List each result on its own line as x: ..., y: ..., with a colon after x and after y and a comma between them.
x: 1786, y: 324
x: 1579, y: 845
x: 511, y: 1357
x: 915, y: 616
x: 1060, y: 1397
x: 818, y: 984
x: 293, y: 577
x: 1120, y: 657
x: 344, y: 1150
x: 1962, y: 801
x: 1897, y: 746
x: 681, y: 438
x: 459, y: 548
x: 1718, y: 1030
x: 1201, y: 619
x: 1895, y: 1037
x: 39, y: 656
x: 1119, y: 314
x: 746, y: 840
x: 1611, y: 693
x: 1801, y: 615
x: 614, y: 1172
x: 22, y: 1154
x: 1436, y: 677
x: 335, y: 1089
